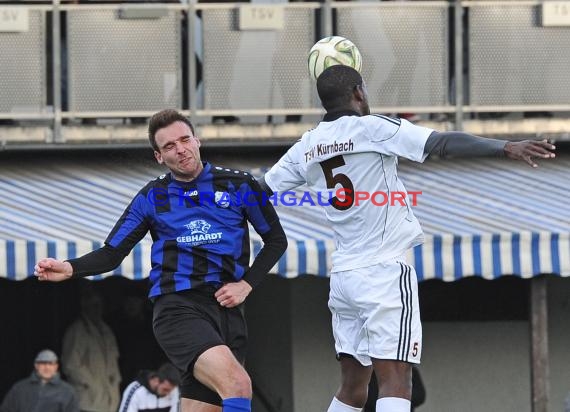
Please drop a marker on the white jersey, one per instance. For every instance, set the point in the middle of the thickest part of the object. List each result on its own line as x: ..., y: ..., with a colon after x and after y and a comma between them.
x: 137, y: 398
x: 358, y: 153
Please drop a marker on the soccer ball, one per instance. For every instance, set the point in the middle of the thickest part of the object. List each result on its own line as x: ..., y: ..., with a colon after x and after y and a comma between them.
x: 330, y: 51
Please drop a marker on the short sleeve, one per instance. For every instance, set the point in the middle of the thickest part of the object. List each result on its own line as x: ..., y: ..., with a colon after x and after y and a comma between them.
x: 398, y: 137
x: 287, y: 173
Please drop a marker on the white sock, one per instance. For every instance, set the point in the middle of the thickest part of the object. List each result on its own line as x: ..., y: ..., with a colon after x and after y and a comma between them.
x: 338, y: 406
x: 393, y: 405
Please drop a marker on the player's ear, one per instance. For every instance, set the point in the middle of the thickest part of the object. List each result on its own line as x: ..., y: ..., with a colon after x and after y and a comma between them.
x: 359, y: 93
x: 158, y: 157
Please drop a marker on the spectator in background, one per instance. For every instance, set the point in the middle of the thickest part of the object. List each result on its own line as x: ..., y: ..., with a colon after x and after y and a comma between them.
x: 567, y: 403
x: 153, y: 391
x: 90, y: 357
x: 43, y: 390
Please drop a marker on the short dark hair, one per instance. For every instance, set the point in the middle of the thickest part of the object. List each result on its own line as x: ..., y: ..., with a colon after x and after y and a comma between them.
x: 167, y: 372
x: 163, y: 119
x: 336, y: 86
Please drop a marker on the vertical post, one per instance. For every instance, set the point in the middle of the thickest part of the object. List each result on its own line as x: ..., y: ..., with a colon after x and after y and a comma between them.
x: 56, y: 50
x: 539, y: 344
x: 458, y: 43
x: 190, y: 38
x: 326, y: 19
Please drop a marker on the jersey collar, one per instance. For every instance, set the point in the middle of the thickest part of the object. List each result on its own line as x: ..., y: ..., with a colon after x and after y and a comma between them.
x: 330, y: 116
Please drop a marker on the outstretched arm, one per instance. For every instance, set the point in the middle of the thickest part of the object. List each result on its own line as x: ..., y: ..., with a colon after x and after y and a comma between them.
x: 127, y: 232
x: 53, y: 270
x: 460, y: 144
x: 99, y: 261
x: 529, y: 149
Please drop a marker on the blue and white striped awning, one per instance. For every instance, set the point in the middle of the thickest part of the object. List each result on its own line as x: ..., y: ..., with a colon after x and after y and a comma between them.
x: 485, y: 218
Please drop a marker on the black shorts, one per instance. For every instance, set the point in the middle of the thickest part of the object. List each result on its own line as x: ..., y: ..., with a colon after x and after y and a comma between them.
x: 188, y: 323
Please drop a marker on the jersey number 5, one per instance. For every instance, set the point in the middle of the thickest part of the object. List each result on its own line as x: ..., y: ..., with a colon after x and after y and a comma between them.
x: 338, y: 179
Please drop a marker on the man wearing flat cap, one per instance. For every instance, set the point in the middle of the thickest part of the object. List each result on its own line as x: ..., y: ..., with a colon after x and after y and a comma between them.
x: 43, y: 390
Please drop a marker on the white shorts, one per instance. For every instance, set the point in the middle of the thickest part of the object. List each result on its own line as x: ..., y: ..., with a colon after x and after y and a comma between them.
x: 375, y: 312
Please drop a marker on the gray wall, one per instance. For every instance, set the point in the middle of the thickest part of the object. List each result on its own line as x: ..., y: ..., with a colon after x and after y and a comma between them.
x: 269, y: 355
x: 315, y: 369
x: 559, y: 341
x: 476, y: 366
x: 466, y: 366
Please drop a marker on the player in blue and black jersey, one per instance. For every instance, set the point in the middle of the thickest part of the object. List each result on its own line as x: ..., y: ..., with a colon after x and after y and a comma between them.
x: 197, y: 215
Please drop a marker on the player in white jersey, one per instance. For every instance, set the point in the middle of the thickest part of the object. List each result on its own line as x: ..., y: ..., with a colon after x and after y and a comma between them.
x: 373, y: 297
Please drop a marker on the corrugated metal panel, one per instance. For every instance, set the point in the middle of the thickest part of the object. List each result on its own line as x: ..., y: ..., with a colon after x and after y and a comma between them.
x: 484, y: 217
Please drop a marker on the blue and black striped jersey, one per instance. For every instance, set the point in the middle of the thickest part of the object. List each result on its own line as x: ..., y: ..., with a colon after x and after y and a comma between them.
x: 199, y: 229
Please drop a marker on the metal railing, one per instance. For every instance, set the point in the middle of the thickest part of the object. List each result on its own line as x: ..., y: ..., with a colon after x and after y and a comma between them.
x: 62, y: 62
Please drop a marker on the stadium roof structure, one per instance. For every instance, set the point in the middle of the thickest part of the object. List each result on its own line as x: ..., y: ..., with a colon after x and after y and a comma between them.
x: 482, y: 217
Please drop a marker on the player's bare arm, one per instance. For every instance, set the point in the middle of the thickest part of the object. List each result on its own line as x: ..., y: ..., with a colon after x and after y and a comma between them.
x: 527, y: 150
x: 460, y: 144
x: 233, y: 293
x: 53, y: 270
